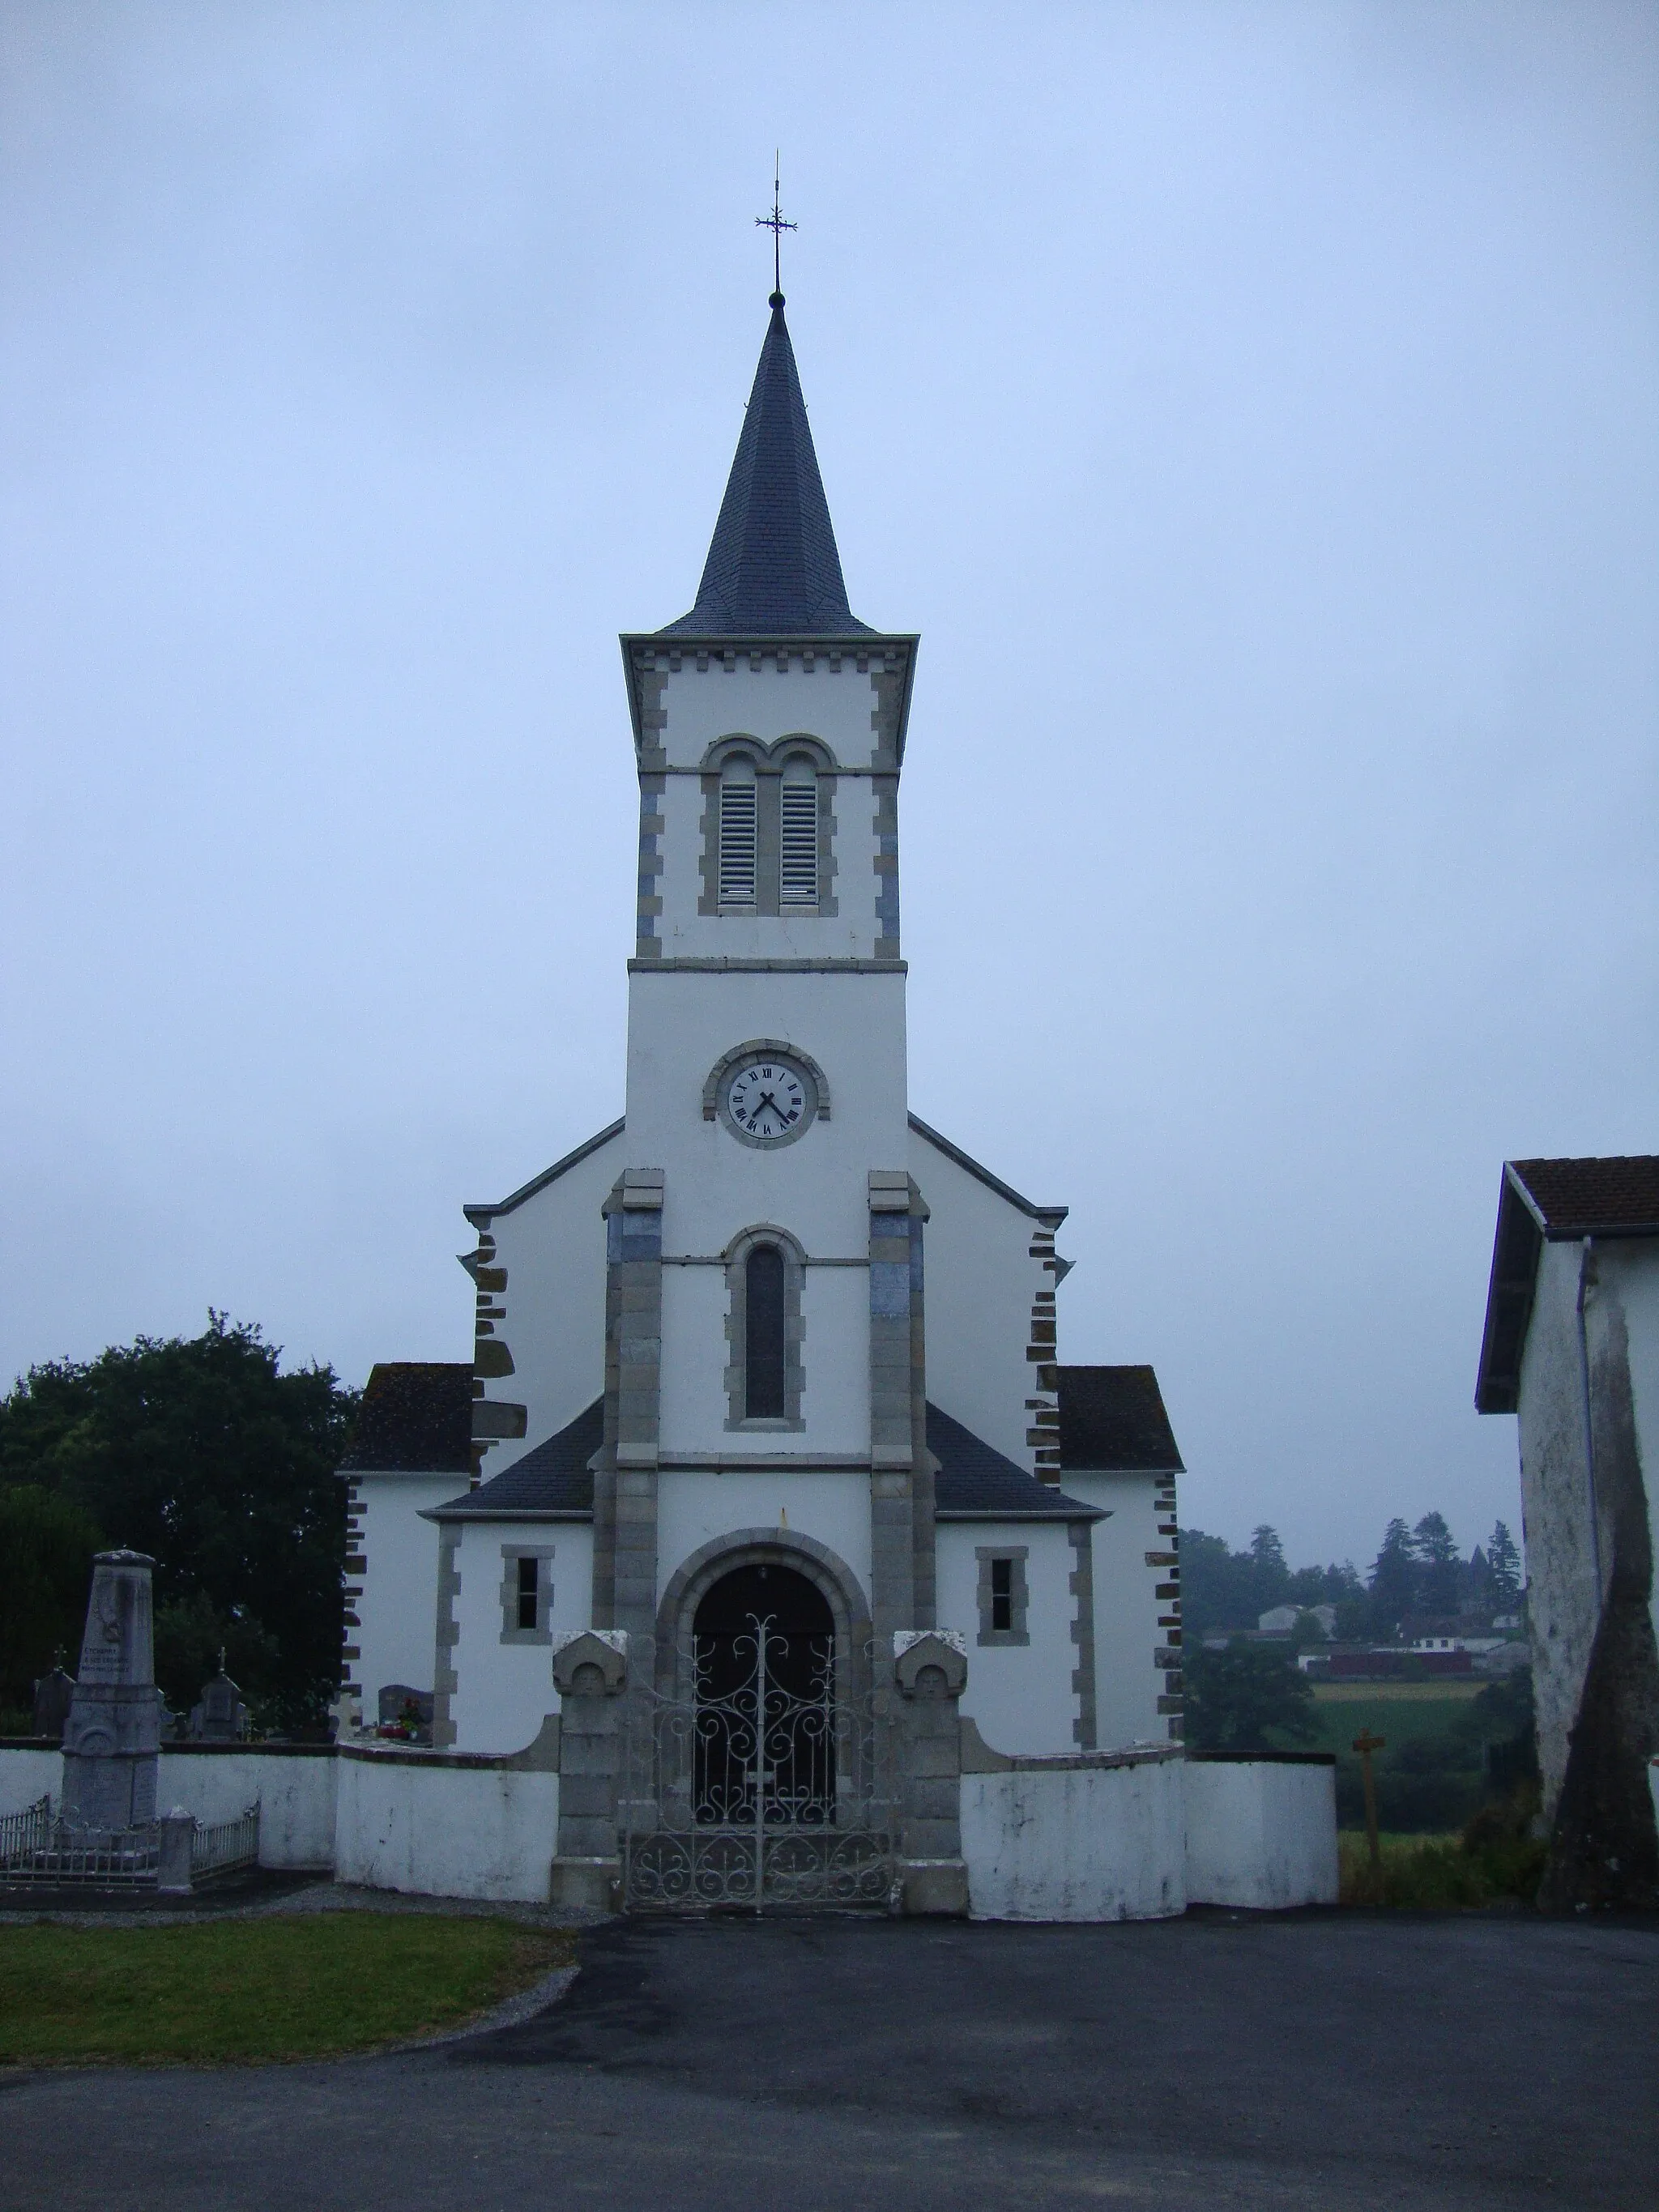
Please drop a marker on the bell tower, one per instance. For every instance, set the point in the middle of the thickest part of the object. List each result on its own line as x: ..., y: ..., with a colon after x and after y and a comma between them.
x: 764, y: 1310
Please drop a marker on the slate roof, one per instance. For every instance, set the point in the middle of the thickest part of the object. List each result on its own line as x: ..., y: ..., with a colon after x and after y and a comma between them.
x: 1112, y: 1421
x: 416, y: 1418
x: 976, y: 1483
x: 551, y: 1478
x: 1555, y: 1201
x: 772, y: 569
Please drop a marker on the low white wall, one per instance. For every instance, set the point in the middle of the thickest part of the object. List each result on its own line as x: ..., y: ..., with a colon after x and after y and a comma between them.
x: 27, y: 1776
x: 1260, y: 1832
x: 292, y: 1785
x: 1095, y: 1841
x: 438, y: 1825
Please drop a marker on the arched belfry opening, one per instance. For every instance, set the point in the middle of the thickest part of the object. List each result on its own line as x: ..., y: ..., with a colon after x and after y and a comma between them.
x: 764, y: 1645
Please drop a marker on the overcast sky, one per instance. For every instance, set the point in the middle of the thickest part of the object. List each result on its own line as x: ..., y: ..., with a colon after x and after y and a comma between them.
x: 1254, y: 407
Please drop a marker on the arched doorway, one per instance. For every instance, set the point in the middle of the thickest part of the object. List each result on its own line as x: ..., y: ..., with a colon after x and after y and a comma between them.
x: 764, y: 1740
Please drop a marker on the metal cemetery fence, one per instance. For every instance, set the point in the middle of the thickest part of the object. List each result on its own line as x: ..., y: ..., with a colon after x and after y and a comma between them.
x: 226, y: 1846
x: 36, y: 1848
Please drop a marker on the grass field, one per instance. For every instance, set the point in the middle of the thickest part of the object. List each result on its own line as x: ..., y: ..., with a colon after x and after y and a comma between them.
x: 1398, y: 1714
x: 253, y: 1991
x: 1420, y: 1693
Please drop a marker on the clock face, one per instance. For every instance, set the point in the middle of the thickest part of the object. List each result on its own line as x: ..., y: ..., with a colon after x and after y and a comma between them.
x: 768, y: 1101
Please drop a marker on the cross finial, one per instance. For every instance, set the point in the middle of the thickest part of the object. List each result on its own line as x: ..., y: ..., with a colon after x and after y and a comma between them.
x: 775, y: 223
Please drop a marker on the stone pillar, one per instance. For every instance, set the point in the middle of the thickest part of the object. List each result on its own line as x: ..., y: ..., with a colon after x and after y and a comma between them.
x: 930, y: 1671
x: 175, y: 1831
x: 625, y: 1485
x: 112, y: 1740
x: 893, y: 1354
x: 590, y: 1672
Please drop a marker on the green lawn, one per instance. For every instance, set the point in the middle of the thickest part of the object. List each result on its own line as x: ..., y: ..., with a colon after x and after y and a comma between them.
x: 251, y: 1991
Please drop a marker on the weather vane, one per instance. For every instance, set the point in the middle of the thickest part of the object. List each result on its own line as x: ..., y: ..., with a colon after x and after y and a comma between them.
x: 775, y: 223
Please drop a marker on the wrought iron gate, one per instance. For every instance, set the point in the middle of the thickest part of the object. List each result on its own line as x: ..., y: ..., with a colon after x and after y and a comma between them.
x: 763, y: 1786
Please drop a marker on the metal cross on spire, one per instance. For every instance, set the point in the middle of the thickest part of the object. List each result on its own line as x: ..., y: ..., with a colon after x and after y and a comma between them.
x: 775, y: 223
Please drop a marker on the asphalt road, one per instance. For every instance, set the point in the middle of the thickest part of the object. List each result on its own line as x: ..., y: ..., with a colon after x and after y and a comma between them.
x: 1312, y: 2060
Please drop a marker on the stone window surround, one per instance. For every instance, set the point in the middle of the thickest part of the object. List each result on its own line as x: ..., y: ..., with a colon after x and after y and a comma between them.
x: 769, y: 762
x: 511, y: 1631
x: 1019, y: 1596
x: 735, y: 1258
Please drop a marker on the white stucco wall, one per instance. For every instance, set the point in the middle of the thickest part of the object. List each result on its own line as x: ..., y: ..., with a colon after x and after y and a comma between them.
x: 438, y: 1828
x: 1127, y: 1685
x: 1077, y: 1841
x: 504, y: 1691
x: 980, y: 1283
x: 1632, y: 1268
x: 681, y: 1024
x: 552, y: 1246
x: 1020, y: 1695
x: 1261, y: 1833
x: 397, y: 1612
x: 1569, y: 1544
x: 27, y: 1776
x: 292, y: 1786
x: 835, y: 705
x: 694, y: 1509
x: 835, y: 1354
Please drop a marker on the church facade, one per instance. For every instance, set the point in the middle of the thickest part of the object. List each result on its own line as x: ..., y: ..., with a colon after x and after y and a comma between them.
x: 766, y: 1400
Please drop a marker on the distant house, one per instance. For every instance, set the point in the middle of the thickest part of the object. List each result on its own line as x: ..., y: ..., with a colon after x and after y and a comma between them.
x: 1281, y: 1619
x: 1572, y: 1347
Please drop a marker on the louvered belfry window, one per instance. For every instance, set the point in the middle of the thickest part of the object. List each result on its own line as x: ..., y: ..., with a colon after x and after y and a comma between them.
x: 737, y: 836
x: 798, y: 844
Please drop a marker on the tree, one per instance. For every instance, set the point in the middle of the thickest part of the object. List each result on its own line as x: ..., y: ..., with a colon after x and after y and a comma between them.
x: 1393, y: 1579
x: 1503, y: 1569
x: 1440, y: 1584
x: 1217, y: 1584
x: 1234, y: 1696
x: 201, y: 1453
x: 46, y: 1544
x: 1273, y: 1575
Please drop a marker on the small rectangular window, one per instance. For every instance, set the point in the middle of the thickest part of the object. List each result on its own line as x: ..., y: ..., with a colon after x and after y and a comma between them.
x: 1002, y: 1593
x: 736, y: 844
x: 529, y: 1592
x: 799, y: 866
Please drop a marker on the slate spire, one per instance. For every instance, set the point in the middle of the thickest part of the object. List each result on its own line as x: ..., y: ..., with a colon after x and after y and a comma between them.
x: 772, y: 569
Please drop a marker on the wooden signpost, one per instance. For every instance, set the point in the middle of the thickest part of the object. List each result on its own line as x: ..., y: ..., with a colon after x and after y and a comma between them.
x: 1365, y: 1743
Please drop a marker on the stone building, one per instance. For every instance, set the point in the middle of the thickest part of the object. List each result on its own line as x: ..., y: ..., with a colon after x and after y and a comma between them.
x: 765, y: 1399
x: 1571, y: 1347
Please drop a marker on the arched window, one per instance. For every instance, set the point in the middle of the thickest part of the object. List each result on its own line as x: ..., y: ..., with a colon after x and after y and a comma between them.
x: 738, y: 825
x: 763, y: 1334
x: 799, y: 841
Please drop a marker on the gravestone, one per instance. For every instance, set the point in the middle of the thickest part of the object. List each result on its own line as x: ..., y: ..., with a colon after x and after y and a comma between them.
x: 53, y: 1694
x: 400, y: 1706
x: 221, y: 1717
x: 113, y: 1737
